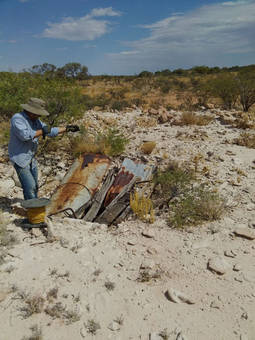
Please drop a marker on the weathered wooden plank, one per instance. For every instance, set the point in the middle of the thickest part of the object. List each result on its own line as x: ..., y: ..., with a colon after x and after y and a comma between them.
x: 99, y: 197
x: 114, y: 209
x: 123, y: 215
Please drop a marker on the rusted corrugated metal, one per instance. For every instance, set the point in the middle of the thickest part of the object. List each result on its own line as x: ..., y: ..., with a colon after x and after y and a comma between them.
x: 128, y: 170
x: 80, y: 183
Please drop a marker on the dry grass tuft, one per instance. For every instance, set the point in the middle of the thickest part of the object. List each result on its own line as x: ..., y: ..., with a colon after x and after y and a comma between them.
x: 110, y: 143
x: 142, y: 207
x: 36, y: 333
x: 92, y: 326
x: 147, y: 275
x: 109, y: 285
x: 148, y: 147
x: 190, y: 118
x: 246, y: 139
x: 33, y: 305
x: 145, y: 122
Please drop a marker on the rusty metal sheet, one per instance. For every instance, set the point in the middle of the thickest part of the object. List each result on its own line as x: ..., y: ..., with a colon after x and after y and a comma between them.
x: 80, y: 183
x: 128, y: 170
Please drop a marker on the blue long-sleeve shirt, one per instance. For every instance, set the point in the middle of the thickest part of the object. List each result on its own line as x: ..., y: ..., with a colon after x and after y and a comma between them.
x: 23, y: 144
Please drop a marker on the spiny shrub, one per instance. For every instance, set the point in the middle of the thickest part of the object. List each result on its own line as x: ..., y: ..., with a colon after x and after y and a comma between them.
x: 142, y: 207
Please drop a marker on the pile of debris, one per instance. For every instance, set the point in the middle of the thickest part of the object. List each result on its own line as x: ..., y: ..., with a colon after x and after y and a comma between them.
x: 95, y: 191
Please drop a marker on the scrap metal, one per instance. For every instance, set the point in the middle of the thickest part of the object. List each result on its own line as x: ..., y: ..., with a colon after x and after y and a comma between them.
x: 128, y: 170
x: 80, y: 183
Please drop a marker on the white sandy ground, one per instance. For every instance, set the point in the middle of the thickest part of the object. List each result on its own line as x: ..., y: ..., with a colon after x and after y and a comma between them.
x: 86, y: 256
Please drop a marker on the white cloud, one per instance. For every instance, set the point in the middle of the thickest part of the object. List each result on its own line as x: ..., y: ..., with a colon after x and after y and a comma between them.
x: 12, y: 41
x: 84, y: 28
x: 23, y: 0
x: 211, y: 35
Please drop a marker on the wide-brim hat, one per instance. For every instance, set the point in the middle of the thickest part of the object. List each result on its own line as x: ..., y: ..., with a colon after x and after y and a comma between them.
x: 36, y: 106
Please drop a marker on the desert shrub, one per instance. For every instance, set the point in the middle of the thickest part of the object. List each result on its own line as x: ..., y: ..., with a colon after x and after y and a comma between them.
x: 148, y: 147
x: 244, y: 122
x: 195, y: 206
x: 246, y: 139
x: 225, y: 87
x: 119, y: 105
x: 164, y: 84
x: 173, y: 180
x: 90, y: 102
x: 201, y: 91
x: 110, y: 143
x: 189, y: 203
x: 64, y: 101
x: 137, y: 101
x: 246, y: 86
x: 33, y: 305
x: 4, y: 132
x: 142, y: 207
x: 191, y: 118
x: 14, y: 90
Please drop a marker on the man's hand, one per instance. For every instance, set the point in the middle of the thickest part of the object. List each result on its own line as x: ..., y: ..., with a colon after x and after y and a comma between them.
x: 45, y: 131
x: 72, y: 128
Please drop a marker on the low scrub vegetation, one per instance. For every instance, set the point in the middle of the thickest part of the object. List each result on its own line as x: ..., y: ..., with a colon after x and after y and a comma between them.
x: 191, y: 118
x: 188, y: 201
x: 111, y: 143
x: 142, y: 207
x: 246, y: 139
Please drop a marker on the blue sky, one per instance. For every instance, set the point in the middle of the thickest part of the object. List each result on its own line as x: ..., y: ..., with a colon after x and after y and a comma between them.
x: 126, y: 36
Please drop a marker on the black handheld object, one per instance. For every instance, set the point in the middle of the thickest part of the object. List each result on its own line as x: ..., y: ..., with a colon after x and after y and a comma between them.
x: 72, y: 128
x: 45, y: 131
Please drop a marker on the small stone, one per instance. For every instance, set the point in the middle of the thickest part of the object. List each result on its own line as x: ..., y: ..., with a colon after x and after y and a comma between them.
x: 114, y: 326
x: 3, y: 295
x: 237, y: 267
x: 249, y: 277
x: 218, y: 265
x: 245, y: 232
x: 181, y: 336
x: 243, y: 337
x: 230, y: 253
x: 201, y: 244
x: 244, y: 316
x: 149, y: 233
x: 131, y: 243
x: 155, y: 336
x: 147, y: 264
x: 178, y: 297
x: 151, y: 251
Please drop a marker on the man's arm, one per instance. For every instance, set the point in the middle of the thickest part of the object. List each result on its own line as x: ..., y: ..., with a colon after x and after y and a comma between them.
x: 40, y: 132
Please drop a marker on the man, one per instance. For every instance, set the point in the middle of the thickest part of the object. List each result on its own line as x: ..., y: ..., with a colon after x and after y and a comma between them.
x: 26, y: 127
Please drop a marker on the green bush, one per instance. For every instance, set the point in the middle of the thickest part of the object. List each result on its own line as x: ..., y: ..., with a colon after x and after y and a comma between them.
x: 189, y: 203
x: 119, y: 105
x: 224, y: 86
x: 246, y: 86
x: 173, y: 180
x: 196, y: 206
